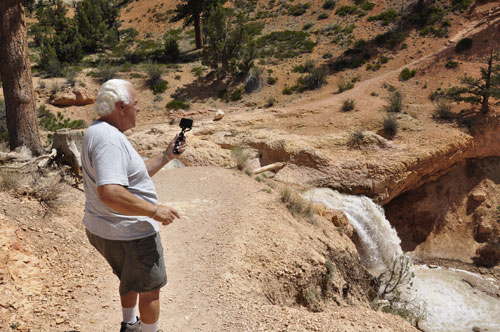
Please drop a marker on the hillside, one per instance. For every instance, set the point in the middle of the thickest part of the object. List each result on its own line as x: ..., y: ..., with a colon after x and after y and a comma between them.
x: 238, y: 260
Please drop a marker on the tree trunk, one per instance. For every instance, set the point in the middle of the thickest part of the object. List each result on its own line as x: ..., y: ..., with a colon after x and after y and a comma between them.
x: 197, y: 31
x: 487, y: 85
x: 16, y: 75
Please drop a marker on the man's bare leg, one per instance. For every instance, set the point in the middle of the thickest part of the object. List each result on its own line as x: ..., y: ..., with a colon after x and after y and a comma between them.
x: 129, y: 302
x: 149, y: 307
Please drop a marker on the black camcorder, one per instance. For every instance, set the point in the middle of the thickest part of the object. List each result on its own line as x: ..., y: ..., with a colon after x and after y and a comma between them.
x: 186, y: 125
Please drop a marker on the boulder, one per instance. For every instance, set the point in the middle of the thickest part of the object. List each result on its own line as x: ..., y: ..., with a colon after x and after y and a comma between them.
x: 77, y: 97
x: 484, y: 231
x: 478, y: 196
x: 218, y: 115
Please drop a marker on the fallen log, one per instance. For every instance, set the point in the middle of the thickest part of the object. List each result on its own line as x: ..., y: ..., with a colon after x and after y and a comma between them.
x: 270, y: 167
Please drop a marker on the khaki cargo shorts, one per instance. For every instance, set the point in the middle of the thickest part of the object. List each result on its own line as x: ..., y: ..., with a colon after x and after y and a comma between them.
x: 138, y: 263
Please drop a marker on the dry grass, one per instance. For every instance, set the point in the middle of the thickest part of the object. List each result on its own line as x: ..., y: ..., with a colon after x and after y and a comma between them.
x: 43, y: 185
x: 296, y: 204
x: 241, y: 156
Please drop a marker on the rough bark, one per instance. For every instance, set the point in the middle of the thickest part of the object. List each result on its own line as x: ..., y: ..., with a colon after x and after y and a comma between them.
x: 197, y: 31
x: 486, y: 96
x: 17, y: 78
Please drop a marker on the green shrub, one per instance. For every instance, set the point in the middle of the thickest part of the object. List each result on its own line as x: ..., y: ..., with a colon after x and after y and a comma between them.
x: 365, y: 4
x: 463, y: 44
x: 160, y: 87
x: 383, y: 59
x: 298, y: 10
x: 461, y: 4
x: 373, y: 66
x: 270, y: 102
x: 284, y: 44
x: 406, y: 74
x: 389, y: 87
x: 344, y: 85
x: 346, y: 10
x: 329, y: 4
x: 172, y: 52
x: 314, y: 80
x: 451, y: 64
x: 271, y: 80
x: 395, y: 102
x: 287, y: 90
x: 348, y: 105
x: 322, y: 16
x: 307, y: 26
x: 443, y: 110
x: 307, y: 67
x: 435, y: 31
x: 387, y: 17
x: 235, y: 95
x: 176, y: 104
x: 390, y: 125
x: 312, y: 299
x: 155, y: 82
x: 197, y: 71
x: 429, y: 15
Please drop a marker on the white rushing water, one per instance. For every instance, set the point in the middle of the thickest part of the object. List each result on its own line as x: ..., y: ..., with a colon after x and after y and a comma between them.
x: 451, y: 303
x: 380, y: 240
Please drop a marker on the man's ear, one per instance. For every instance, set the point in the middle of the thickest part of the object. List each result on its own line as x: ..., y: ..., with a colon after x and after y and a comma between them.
x: 121, y: 106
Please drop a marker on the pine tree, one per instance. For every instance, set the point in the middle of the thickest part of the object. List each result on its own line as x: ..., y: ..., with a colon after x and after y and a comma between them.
x: 479, y: 90
x: 58, y: 37
x: 193, y: 12
x: 229, y: 45
x: 95, y: 20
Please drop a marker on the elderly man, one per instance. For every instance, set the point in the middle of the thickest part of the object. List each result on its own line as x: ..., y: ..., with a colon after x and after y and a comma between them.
x: 122, y: 211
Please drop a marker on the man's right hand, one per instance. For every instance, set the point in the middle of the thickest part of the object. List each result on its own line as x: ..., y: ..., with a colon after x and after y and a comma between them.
x: 166, y: 215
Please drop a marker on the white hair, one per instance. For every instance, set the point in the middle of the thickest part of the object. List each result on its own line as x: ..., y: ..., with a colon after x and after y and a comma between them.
x: 112, y: 92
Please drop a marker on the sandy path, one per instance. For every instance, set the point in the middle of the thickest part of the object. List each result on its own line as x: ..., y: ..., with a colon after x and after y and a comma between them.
x: 196, y: 249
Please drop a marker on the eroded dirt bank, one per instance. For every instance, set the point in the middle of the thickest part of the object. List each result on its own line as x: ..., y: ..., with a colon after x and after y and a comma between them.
x: 453, y: 216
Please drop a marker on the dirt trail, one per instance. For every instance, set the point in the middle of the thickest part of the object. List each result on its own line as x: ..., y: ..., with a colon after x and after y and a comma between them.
x: 194, y: 260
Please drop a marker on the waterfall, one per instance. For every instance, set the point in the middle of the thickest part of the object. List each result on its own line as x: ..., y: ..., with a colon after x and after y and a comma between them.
x: 379, y: 239
x: 450, y: 302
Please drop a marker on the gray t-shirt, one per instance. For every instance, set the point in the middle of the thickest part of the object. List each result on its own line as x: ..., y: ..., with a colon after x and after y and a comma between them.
x: 109, y: 158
